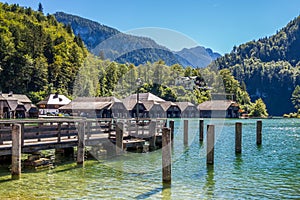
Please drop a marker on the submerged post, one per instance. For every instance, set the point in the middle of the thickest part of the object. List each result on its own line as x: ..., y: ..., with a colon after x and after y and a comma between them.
x: 166, y: 155
x: 258, y: 132
x: 81, y: 143
x: 186, y: 133
x: 201, y: 130
x: 171, y: 124
x: 210, y: 138
x: 119, y: 138
x: 152, y: 135
x: 16, y: 152
x: 238, y: 137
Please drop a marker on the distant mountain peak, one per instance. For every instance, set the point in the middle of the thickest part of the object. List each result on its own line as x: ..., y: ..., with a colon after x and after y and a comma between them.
x: 115, y: 45
x: 198, y: 56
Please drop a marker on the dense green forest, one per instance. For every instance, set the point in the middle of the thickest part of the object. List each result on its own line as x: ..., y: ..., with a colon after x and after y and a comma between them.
x: 105, y: 78
x: 270, y: 67
x: 40, y: 56
x: 37, y: 54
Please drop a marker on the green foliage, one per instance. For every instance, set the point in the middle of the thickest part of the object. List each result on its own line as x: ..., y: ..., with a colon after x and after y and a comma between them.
x: 40, y: 8
x: 270, y: 67
x: 39, y: 56
x: 36, y: 51
x: 258, y: 109
x: 296, y: 97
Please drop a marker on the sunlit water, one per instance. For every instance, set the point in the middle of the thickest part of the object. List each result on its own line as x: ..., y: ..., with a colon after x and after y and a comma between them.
x: 271, y: 171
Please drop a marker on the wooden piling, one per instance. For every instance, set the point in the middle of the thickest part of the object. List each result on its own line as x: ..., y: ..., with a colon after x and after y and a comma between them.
x: 210, y: 144
x: 238, y: 137
x: 185, y: 133
x: 59, y: 132
x: 119, y: 138
x: 81, y: 143
x: 258, y: 132
x: 166, y: 155
x: 39, y: 132
x: 152, y: 135
x: 16, y: 152
x: 22, y: 134
x: 201, y: 130
x: 171, y: 125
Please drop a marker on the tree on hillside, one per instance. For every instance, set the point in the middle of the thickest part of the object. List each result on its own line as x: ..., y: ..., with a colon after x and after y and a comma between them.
x: 296, y: 97
x: 40, y: 9
x: 258, y: 109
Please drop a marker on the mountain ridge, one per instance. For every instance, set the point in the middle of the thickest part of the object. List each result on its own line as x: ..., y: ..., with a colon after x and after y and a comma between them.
x: 270, y: 67
x: 115, y: 45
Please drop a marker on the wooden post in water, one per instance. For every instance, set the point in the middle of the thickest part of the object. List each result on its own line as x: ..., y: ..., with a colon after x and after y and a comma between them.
x: 210, y: 138
x: 22, y: 134
x: 81, y: 143
x: 16, y: 152
x: 59, y: 132
x: 166, y: 155
x: 201, y: 130
x: 152, y: 135
x: 238, y: 137
x: 258, y: 132
x: 39, y: 131
x: 119, y: 138
x: 186, y: 133
x: 171, y: 124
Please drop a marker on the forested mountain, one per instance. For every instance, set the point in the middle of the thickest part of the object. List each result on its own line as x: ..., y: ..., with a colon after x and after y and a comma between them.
x: 37, y: 54
x: 270, y: 67
x: 110, y: 43
x: 198, y: 56
x: 92, y: 33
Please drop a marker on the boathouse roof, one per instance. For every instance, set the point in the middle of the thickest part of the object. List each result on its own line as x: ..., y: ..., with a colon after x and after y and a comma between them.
x: 78, y: 105
x: 184, y: 105
x: 145, y: 97
x: 217, y: 105
x: 22, y: 98
x: 149, y: 104
x: 97, y: 99
x: 167, y: 104
x: 55, y: 99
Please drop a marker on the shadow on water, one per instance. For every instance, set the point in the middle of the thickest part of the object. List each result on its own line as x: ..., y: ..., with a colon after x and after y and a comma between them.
x: 165, y: 190
x: 209, y: 186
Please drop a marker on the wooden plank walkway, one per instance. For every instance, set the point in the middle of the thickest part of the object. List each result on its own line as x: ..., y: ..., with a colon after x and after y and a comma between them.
x: 43, y: 134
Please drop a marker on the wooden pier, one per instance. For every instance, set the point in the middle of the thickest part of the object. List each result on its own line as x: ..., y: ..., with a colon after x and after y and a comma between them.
x: 28, y: 136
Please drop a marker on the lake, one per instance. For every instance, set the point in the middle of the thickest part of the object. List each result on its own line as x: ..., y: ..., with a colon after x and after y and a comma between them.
x: 269, y: 171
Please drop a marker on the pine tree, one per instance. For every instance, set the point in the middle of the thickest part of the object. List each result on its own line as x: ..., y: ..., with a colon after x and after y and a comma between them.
x: 40, y: 9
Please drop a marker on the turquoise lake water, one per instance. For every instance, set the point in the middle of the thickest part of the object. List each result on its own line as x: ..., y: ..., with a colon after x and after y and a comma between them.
x: 269, y: 171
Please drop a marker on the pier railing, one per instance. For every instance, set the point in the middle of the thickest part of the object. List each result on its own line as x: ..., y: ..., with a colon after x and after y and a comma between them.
x: 39, y: 134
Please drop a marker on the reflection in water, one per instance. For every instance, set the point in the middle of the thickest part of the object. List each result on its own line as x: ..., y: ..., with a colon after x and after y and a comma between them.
x: 238, y: 162
x: 166, y: 192
x: 209, y: 186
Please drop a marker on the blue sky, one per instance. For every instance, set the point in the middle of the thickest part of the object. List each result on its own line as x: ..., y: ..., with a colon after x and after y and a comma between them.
x: 217, y: 24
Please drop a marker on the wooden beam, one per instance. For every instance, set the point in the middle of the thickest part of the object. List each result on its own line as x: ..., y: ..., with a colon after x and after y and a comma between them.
x: 16, y: 152
x: 201, y: 130
x: 186, y: 133
x: 119, y: 138
x: 238, y: 137
x: 81, y: 143
x: 166, y: 156
x: 258, y: 132
x: 210, y: 144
